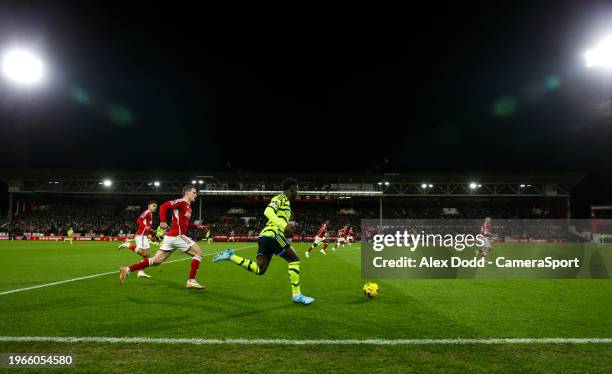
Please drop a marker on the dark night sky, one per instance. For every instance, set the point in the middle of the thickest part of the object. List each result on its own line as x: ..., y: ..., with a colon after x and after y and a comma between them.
x: 352, y: 89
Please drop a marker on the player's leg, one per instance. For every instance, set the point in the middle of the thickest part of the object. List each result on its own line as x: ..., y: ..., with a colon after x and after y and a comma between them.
x: 324, y: 249
x: 141, y: 248
x: 314, y: 244
x: 262, y: 260
x: 486, y: 251
x: 145, y: 254
x: 294, y: 275
x: 486, y: 247
x: 127, y: 244
x: 196, y: 258
x: 160, y: 256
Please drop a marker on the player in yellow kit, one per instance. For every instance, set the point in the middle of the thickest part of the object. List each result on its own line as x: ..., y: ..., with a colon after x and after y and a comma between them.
x: 69, y: 235
x: 272, y: 241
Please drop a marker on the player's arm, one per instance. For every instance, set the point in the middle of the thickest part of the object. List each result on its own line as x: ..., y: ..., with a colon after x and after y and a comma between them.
x: 163, y: 209
x: 270, y: 213
x: 140, y: 222
x: 199, y: 227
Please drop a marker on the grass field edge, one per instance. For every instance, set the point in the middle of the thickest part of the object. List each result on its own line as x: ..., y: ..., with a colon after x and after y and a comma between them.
x: 197, y: 341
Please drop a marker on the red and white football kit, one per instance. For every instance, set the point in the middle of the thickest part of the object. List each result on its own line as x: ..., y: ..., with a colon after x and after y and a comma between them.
x: 485, y: 231
x: 320, y: 237
x: 176, y: 237
x: 145, y: 220
x: 341, y: 236
x: 349, y: 236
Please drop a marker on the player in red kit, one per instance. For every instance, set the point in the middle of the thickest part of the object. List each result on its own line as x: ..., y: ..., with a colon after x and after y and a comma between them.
x: 231, y: 237
x: 341, y: 238
x: 485, y: 231
x: 175, y: 238
x: 349, y: 236
x: 145, y: 220
x: 319, y: 238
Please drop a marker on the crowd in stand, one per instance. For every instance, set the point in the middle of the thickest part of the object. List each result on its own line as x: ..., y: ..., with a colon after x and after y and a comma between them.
x: 113, y: 220
x: 83, y: 219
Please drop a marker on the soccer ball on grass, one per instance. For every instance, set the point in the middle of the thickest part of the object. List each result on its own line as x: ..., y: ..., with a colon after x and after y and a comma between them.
x: 371, y: 289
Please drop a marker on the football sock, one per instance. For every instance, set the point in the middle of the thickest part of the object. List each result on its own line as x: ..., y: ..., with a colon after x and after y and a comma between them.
x: 140, y: 265
x: 195, y: 265
x: 294, y: 277
x: 246, y: 263
x: 325, y: 246
x: 132, y: 248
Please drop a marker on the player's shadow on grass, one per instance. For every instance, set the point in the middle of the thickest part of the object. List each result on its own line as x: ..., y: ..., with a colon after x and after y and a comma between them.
x: 214, y: 300
x: 282, y: 305
x: 229, y: 297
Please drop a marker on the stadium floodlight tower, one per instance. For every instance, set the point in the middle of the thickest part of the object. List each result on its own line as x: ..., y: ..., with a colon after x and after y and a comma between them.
x: 601, y: 57
x: 22, y: 67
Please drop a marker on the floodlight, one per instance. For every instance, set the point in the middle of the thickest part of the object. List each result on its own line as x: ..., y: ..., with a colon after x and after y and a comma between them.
x: 22, y: 67
x: 601, y: 55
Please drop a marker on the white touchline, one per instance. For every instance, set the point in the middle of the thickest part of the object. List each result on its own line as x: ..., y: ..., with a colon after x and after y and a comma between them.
x: 195, y: 341
x: 96, y: 275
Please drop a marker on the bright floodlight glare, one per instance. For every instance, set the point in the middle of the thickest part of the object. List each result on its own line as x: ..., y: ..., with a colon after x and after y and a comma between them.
x: 430, y: 186
x: 601, y: 55
x: 22, y: 67
x: 386, y: 183
x: 193, y: 182
x: 107, y: 183
x: 156, y: 183
x: 473, y: 186
x: 424, y: 185
x: 201, y: 182
x: 380, y: 183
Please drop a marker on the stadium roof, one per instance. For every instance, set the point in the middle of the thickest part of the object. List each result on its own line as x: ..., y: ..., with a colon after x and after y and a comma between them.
x: 567, y: 179
x: 323, y: 184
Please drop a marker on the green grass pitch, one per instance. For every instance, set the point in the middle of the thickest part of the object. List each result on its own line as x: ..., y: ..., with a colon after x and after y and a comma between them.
x: 237, y: 304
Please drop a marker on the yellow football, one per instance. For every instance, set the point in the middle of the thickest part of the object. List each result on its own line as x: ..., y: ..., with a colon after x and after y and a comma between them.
x: 371, y: 289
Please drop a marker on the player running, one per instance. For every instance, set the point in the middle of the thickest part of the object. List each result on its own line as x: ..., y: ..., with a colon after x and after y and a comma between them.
x: 349, y: 236
x: 341, y: 241
x: 485, y: 231
x: 144, y: 221
x: 231, y: 237
x: 272, y: 241
x: 319, y: 238
x: 69, y: 235
x: 208, y: 238
x: 175, y: 238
